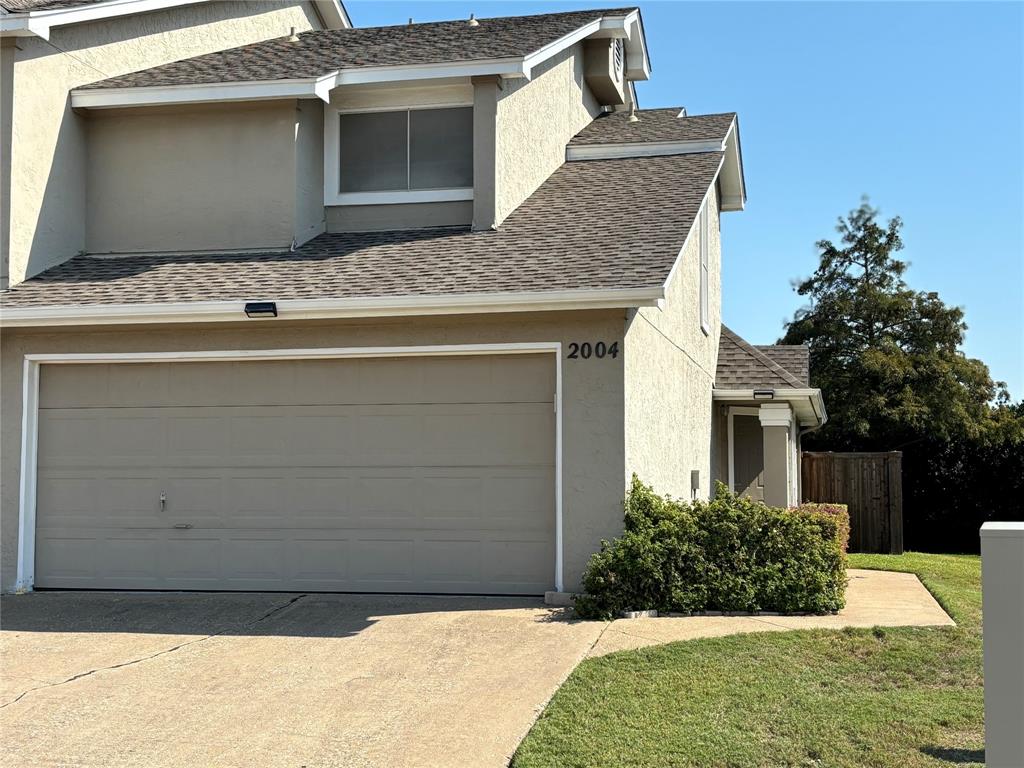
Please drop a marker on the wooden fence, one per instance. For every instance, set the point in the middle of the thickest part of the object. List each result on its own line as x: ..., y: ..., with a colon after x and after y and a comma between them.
x: 870, y: 484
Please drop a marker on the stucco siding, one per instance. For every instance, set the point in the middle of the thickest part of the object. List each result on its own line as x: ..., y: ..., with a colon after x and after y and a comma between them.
x: 669, y: 375
x: 47, y: 145
x: 592, y: 405
x: 309, y: 169
x: 535, y: 120
x: 195, y: 178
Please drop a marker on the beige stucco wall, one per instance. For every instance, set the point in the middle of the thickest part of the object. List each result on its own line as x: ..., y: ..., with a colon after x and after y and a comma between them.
x: 202, y: 177
x: 535, y: 120
x: 369, y: 218
x: 593, y: 454
x: 669, y: 373
x: 46, y: 141
x: 309, y: 169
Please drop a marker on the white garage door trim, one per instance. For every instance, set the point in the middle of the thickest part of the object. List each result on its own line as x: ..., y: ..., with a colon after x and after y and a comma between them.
x: 30, y: 414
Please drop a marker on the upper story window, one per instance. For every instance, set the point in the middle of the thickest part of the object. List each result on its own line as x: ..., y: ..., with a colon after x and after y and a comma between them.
x: 705, y: 271
x: 407, y: 155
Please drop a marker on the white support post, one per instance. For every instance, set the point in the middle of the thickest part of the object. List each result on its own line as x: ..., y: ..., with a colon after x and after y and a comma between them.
x: 1002, y: 577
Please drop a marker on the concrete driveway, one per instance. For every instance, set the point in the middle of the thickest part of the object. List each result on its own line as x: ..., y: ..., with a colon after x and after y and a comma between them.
x: 119, y: 679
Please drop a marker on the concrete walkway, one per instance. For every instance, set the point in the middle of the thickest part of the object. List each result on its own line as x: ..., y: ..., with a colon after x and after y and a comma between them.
x: 143, y: 679
x: 873, y: 599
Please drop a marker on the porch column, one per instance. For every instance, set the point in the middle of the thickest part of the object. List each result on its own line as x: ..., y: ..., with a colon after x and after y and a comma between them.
x: 776, y: 420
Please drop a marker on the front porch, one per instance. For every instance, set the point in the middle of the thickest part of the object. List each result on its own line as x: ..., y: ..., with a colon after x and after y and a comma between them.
x: 761, y: 410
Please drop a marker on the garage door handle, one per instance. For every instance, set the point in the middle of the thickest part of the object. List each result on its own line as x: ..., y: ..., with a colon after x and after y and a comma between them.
x: 183, y: 526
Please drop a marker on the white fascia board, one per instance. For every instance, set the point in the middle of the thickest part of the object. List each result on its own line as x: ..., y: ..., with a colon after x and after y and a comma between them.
x: 40, y: 22
x: 308, y: 309
x: 638, y: 61
x: 618, y: 151
x: 693, y: 226
x: 544, y: 53
x: 735, y: 197
x: 23, y: 26
x: 333, y: 14
x: 510, y: 67
x: 811, y: 414
x: 301, y: 88
x: 107, y: 98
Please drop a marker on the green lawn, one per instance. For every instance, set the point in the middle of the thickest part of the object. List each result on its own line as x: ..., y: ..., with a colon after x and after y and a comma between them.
x: 884, y: 697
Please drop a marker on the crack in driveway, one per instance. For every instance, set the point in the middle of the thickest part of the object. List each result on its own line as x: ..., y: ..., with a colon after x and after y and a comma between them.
x: 273, y: 611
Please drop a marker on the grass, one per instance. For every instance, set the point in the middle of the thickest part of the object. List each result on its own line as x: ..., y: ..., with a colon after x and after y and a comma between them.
x: 883, y: 697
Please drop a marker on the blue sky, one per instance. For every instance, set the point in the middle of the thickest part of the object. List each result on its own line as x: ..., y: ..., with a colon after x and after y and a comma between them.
x: 918, y: 105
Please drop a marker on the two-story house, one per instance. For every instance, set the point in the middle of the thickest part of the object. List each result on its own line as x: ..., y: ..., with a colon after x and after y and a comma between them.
x: 395, y: 309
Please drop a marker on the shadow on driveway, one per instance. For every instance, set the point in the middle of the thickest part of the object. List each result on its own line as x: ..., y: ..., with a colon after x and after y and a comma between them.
x: 228, y: 613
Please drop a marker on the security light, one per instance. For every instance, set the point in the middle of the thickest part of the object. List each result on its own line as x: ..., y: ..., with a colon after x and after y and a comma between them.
x: 260, y: 309
x: 764, y: 394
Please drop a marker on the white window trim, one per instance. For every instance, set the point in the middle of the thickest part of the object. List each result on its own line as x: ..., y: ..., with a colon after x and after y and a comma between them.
x: 30, y: 414
x: 332, y: 164
x: 704, y: 269
x: 735, y: 410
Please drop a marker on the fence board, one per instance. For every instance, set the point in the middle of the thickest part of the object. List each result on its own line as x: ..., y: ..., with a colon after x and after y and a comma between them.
x: 870, y: 484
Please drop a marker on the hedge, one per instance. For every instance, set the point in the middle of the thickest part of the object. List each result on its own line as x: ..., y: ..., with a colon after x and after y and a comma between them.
x: 727, y: 554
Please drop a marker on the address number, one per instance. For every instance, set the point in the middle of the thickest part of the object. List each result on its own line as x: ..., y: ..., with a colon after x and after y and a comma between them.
x: 586, y: 350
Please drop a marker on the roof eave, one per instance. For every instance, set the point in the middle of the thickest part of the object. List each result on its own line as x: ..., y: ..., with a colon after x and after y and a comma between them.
x: 316, y: 309
x: 734, y: 188
x: 807, y: 402
x: 319, y: 86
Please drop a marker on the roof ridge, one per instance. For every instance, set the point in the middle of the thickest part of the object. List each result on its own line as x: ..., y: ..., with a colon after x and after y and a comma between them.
x: 761, y: 357
x: 462, y: 20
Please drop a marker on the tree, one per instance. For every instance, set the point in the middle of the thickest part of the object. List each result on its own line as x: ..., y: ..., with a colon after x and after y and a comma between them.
x: 888, y: 358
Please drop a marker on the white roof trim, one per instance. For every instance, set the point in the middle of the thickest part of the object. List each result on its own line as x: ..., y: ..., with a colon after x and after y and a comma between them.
x: 693, y: 226
x: 102, y: 98
x: 807, y: 402
x: 734, y: 189
x: 515, y: 67
x: 306, y: 309
x: 621, y: 150
x: 318, y: 87
x: 39, y: 23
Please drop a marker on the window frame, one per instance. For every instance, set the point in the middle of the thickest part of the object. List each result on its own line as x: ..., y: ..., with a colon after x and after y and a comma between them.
x: 332, y: 163
x: 704, y: 269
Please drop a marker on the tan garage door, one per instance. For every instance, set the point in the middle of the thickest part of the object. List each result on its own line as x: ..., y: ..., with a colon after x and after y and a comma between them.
x: 428, y: 474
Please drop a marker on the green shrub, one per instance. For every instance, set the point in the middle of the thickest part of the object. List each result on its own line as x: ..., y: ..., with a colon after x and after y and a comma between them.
x: 837, y: 511
x: 727, y: 554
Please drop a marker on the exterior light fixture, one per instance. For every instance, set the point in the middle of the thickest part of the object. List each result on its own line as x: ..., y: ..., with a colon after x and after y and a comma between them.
x: 764, y: 394
x: 260, y: 309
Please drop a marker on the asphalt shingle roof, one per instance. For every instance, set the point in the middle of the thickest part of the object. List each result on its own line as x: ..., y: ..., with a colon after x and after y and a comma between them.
x: 318, y: 53
x: 584, y: 228
x: 741, y: 365
x: 663, y: 124
x: 795, y: 358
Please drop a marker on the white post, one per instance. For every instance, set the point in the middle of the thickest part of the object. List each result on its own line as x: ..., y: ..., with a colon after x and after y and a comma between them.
x: 1002, y: 578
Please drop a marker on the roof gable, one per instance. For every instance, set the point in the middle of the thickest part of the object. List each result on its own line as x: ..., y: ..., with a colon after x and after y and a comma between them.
x: 741, y: 365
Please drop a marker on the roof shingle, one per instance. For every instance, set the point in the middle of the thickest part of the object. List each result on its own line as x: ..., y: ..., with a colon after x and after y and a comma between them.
x: 571, y: 234
x: 662, y: 124
x: 321, y: 52
x: 795, y: 358
x: 741, y: 365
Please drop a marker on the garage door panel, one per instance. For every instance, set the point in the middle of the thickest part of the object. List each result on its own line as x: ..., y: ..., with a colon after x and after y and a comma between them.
x: 382, y: 563
x: 447, y: 561
x: 204, y: 434
x: 192, y: 556
x: 256, y: 557
x: 430, y: 474
x: 68, y: 561
x: 323, y: 560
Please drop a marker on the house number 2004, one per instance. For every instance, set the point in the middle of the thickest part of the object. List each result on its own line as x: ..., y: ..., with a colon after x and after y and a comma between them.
x: 586, y: 350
